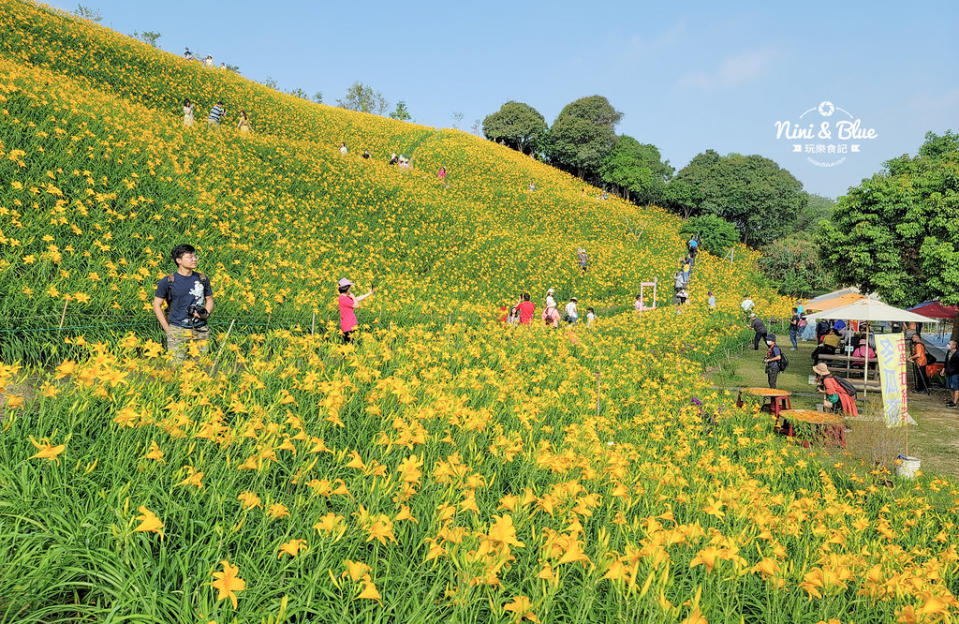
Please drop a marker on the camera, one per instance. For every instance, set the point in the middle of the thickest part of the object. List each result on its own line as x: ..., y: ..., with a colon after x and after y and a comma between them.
x: 198, y: 315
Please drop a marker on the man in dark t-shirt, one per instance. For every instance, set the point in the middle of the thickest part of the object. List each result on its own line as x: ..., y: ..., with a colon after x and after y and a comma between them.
x: 759, y: 327
x: 189, y: 299
x: 774, y: 356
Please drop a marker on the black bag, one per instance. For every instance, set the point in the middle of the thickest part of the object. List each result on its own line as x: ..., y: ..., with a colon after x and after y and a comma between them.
x: 783, y: 361
x: 930, y: 358
x: 847, y: 387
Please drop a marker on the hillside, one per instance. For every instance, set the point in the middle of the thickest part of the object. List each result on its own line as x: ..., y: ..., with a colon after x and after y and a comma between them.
x: 441, y: 468
x: 96, y: 156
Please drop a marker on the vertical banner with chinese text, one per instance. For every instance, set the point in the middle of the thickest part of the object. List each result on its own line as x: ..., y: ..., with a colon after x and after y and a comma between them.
x: 891, y: 351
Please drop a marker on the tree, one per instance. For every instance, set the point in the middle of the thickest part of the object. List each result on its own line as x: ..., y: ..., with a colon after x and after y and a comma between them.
x: 715, y: 235
x: 87, y: 13
x: 896, y: 233
x: 400, y: 112
x: 233, y: 68
x: 318, y: 97
x: 516, y: 125
x: 583, y: 135
x: 270, y: 82
x: 752, y: 192
x: 817, y: 209
x: 637, y: 169
x: 360, y: 97
x: 793, y: 263
x: 476, y: 127
x: 457, y: 119
x: 149, y: 37
x: 300, y: 93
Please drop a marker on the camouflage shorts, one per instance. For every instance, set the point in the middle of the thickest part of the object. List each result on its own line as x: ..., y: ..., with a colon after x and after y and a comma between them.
x: 178, y: 341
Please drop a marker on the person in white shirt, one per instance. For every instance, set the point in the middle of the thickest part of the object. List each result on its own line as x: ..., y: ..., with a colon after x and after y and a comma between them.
x: 550, y: 301
x: 711, y: 302
x: 747, y: 305
x: 572, y: 314
x: 590, y: 317
x: 343, y: 149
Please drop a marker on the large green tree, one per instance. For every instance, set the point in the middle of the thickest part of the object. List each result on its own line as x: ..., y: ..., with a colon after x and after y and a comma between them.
x: 793, y: 263
x: 897, y: 233
x: 715, y: 235
x: 637, y: 170
x: 583, y: 135
x: 760, y: 198
x: 516, y: 125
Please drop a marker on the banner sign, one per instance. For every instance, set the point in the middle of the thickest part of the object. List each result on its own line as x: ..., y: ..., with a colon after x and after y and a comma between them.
x: 891, y: 351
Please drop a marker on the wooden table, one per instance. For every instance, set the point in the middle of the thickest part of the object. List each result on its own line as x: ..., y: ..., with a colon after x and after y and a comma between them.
x: 774, y: 400
x: 833, y: 428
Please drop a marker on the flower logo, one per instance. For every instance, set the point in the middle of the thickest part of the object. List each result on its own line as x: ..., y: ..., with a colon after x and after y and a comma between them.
x: 826, y: 108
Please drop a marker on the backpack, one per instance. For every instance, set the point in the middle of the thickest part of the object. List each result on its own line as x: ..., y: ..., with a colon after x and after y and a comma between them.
x: 783, y: 361
x: 847, y: 387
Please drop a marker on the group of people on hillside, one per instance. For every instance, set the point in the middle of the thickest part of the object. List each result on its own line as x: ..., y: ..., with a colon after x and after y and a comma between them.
x: 685, y: 273
x: 216, y: 116
x: 524, y: 310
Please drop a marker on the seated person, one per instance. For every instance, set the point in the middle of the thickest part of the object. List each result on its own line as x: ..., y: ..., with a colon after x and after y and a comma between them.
x: 830, y: 343
x: 864, y: 351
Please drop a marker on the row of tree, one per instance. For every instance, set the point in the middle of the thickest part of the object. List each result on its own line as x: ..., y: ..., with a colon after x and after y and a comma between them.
x: 761, y: 200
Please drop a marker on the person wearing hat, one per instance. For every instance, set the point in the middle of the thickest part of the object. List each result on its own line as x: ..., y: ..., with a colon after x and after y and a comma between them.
x: 348, y: 302
x: 550, y: 300
x: 583, y: 259
x: 572, y: 313
x: 836, y: 395
x: 759, y: 327
x: 773, y: 356
x: 919, y: 359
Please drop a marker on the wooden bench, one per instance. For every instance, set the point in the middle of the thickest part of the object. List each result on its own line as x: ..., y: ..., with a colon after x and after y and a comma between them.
x: 842, y: 365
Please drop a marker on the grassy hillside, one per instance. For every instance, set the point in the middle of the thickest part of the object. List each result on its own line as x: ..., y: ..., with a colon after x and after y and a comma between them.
x: 444, y: 468
x: 97, y: 161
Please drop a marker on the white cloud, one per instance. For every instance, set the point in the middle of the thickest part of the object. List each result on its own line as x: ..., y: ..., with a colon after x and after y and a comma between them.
x: 734, y: 70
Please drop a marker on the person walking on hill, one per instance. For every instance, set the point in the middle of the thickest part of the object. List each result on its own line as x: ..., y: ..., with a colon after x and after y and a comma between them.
x: 572, y: 312
x: 711, y: 302
x: 243, y: 125
x: 951, y: 371
x: 638, y: 304
x: 836, y: 392
x: 551, y: 316
x: 343, y: 150
x: 188, y: 109
x: 759, y: 327
x: 590, y: 318
x: 525, y: 308
x: 583, y: 259
x: 773, y: 360
x: 442, y: 176
x: 189, y: 300
x: 550, y: 300
x: 347, y: 303
x: 693, y: 246
x: 216, y: 114
x: 686, y: 268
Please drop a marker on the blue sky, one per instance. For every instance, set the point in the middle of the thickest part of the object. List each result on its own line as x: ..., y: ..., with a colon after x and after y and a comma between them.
x: 687, y: 76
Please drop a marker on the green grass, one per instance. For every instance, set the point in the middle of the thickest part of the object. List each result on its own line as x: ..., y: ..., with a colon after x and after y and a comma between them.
x: 935, y: 440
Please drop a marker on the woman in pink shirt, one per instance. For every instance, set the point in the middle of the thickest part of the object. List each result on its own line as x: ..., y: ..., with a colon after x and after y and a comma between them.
x: 348, y: 302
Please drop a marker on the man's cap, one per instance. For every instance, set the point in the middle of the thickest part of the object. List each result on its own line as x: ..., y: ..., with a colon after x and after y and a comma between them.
x: 346, y: 282
x: 771, y: 337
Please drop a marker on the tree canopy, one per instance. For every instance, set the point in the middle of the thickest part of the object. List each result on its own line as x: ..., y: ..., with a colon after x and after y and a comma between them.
x: 516, y: 125
x: 360, y: 97
x: 583, y: 135
x: 897, y: 233
x: 714, y: 234
x: 637, y: 169
x: 752, y: 192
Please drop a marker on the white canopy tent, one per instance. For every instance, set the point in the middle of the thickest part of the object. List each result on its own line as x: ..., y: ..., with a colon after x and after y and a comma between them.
x: 870, y: 310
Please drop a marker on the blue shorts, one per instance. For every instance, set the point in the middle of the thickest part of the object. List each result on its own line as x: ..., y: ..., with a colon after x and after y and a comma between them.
x: 952, y: 382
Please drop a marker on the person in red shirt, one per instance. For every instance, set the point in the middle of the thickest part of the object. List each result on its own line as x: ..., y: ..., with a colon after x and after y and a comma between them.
x: 526, y: 309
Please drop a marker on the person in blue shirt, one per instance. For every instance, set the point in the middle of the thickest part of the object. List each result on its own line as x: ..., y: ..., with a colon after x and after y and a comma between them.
x: 189, y: 300
x: 693, y: 245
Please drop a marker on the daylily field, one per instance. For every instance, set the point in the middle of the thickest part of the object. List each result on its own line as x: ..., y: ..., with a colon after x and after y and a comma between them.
x: 445, y: 467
